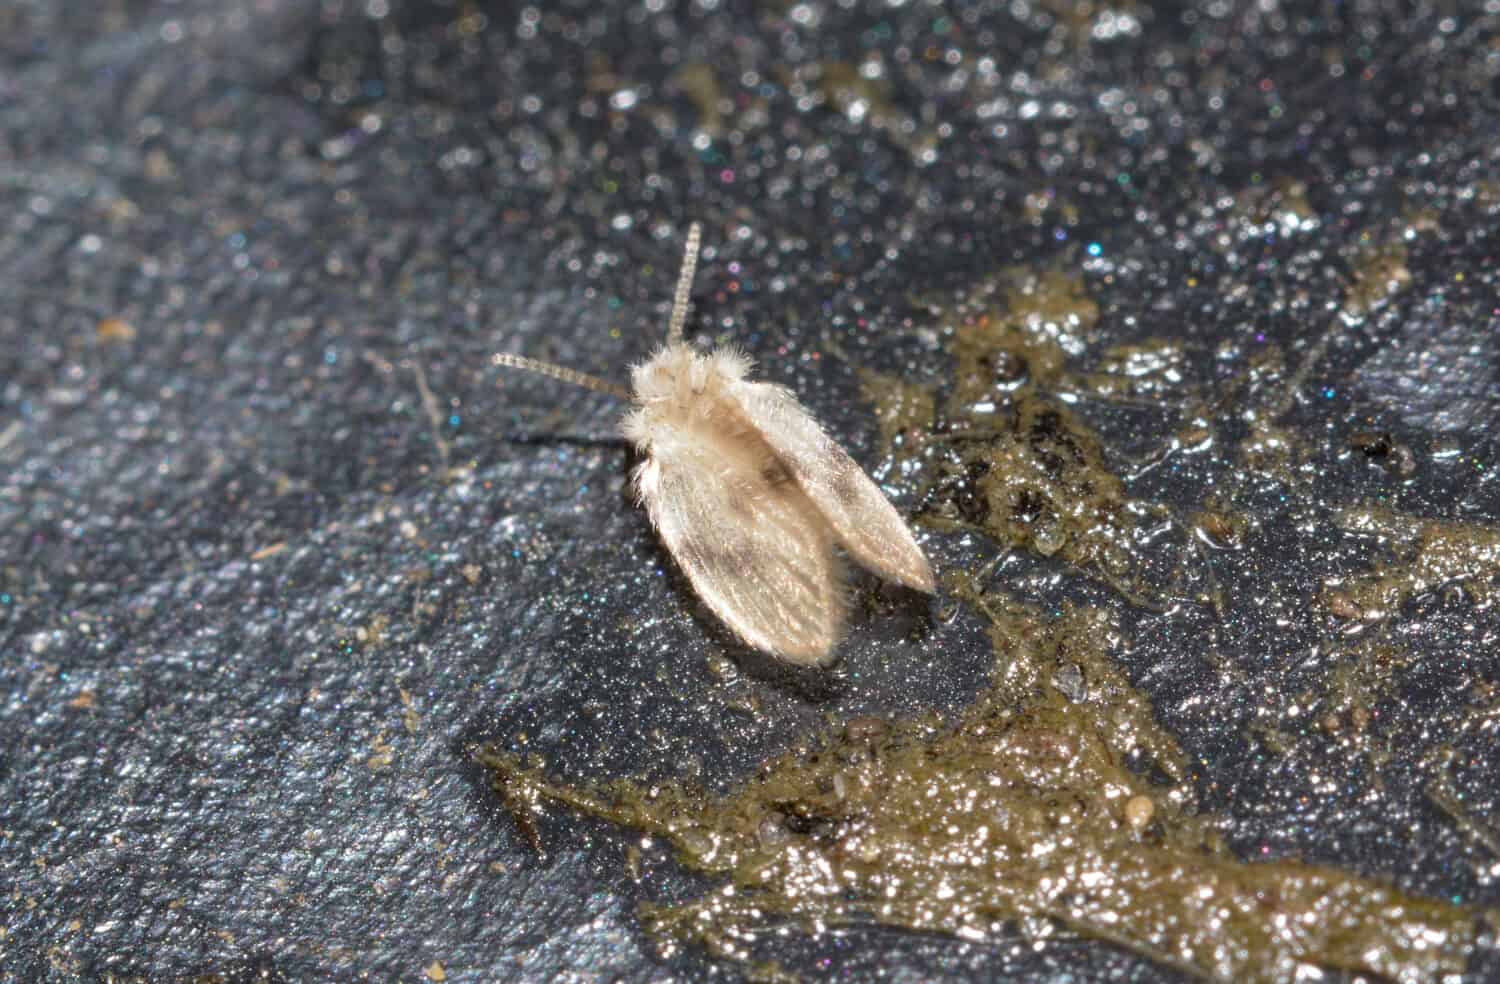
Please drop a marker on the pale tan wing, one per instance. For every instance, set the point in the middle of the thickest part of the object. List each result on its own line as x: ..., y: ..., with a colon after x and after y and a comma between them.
x: 863, y: 519
x: 756, y: 551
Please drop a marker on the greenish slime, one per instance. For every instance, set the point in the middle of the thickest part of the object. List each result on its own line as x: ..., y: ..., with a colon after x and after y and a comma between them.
x: 1015, y: 814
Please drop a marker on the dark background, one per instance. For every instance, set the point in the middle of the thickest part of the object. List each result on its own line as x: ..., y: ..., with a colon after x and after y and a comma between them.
x: 259, y: 593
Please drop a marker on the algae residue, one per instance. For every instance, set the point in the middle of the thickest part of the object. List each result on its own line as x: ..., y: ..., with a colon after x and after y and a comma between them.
x: 1379, y: 275
x: 903, y: 410
x: 1020, y: 465
x: 1038, y: 481
x: 1431, y: 554
x: 1033, y: 809
x: 698, y: 81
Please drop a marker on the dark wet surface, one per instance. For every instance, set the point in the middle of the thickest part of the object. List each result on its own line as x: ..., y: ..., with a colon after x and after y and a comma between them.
x: 1184, y: 314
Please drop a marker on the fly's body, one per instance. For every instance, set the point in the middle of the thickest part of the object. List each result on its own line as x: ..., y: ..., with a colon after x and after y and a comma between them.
x: 752, y: 499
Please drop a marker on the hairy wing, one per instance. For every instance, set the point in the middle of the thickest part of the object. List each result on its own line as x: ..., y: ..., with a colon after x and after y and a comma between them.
x: 863, y: 519
x: 756, y: 551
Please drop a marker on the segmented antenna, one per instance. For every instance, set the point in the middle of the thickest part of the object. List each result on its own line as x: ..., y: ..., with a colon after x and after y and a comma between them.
x: 684, y: 285
x: 674, y: 331
x: 561, y: 372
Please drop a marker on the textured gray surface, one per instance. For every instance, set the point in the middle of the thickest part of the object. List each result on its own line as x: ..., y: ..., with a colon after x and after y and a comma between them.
x: 257, y: 594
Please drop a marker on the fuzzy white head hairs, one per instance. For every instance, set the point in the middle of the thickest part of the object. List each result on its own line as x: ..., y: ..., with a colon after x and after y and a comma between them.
x: 748, y: 493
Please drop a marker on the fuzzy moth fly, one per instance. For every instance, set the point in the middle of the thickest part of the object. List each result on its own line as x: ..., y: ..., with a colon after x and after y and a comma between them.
x: 748, y: 493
